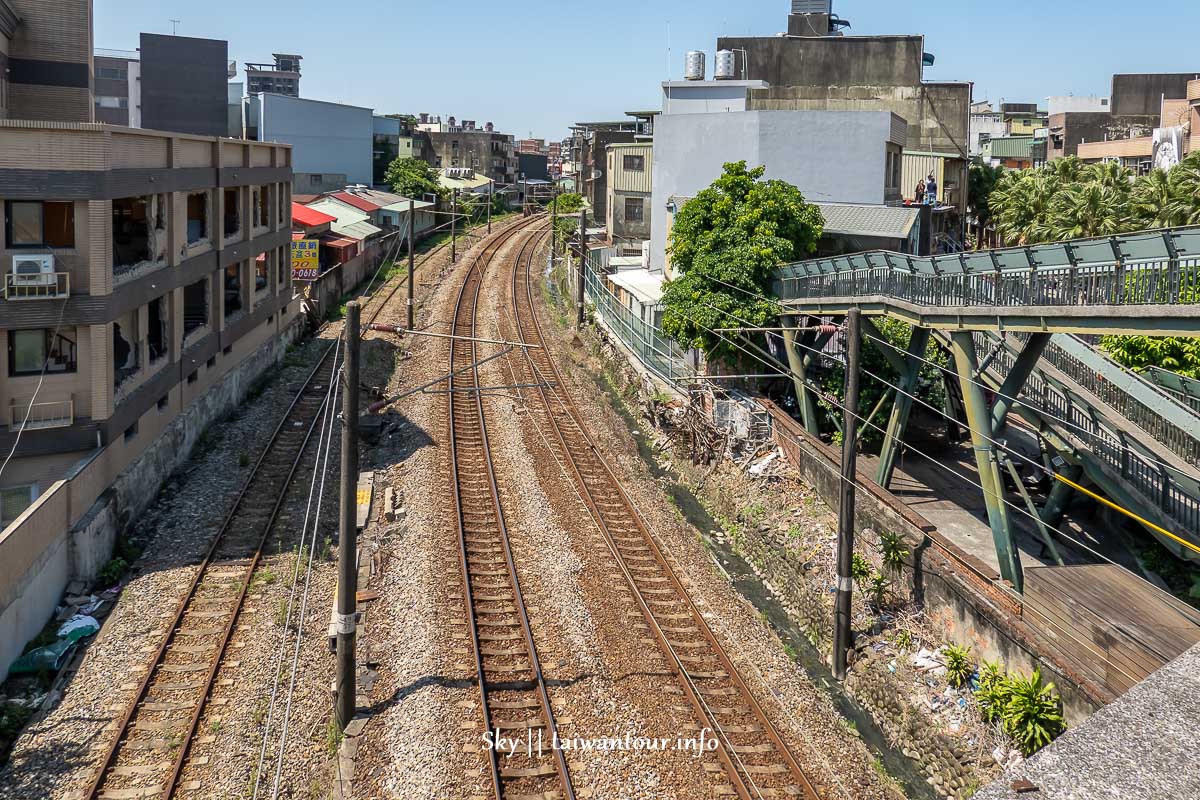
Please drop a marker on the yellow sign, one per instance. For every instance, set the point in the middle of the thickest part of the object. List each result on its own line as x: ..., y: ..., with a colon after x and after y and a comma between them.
x: 304, y: 260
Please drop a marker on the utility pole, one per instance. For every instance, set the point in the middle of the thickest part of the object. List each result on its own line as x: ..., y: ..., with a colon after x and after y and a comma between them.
x: 454, y: 227
x: 348, y: 545
x: 524, y: 197
x: 412, y: 223
x: 845, y: 554
x: 491, y: 200
x: 582, y: 266
x: 554, y: 228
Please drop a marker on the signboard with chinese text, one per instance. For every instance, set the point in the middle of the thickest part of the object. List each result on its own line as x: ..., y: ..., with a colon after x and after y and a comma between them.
x: 304, y: 260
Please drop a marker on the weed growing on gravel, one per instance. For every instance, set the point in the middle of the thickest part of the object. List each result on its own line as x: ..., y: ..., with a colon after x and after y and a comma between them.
x: 791, y: 652
x: 260, y: 712
x: 755, y: 512
x: 111, y: 572
x: 327, y: 549
x: 243, y: 459
x: 333, y: 738
x: 214, y: 727
x: 795, y: 532
x: 264, y: 577
x: 281, y: 612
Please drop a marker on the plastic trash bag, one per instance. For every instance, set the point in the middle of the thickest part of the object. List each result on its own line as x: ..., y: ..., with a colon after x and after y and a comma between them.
x: 78, y: 627
x: 46, y: 658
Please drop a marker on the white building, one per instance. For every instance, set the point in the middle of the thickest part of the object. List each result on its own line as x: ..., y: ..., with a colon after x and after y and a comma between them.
x: 332, y: 143
x: 831, y: 156
x: 985, y: 125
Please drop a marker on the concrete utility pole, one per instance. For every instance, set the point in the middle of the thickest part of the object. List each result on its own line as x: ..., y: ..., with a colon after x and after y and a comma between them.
x: 348, y: 545
x: 491, y: 200
x: 582, y: 266
x: 412, y: 223
x: 554, y: 228
x: 845, y: 555
x: 454, y: 227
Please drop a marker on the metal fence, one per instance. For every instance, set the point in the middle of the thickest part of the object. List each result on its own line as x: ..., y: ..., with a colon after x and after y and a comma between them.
x: 659, y: 354
x: 1159, y: 268
x: 1178, y: 496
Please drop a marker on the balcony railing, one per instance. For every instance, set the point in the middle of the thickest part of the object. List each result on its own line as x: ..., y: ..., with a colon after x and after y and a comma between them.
x: 54, y: 414
x: 46, y: 286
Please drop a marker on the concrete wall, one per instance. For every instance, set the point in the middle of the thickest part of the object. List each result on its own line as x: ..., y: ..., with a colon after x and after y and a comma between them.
x: 830, y: 61
x: 705, y: 97
x: 29, y: 593
x: 1139, y: 94
x: 112, y: 87
x: 1061, y: 104
x: 185, y: 84
x: 832, y: 156
x: 1075, y: 128
x: 325, y: 137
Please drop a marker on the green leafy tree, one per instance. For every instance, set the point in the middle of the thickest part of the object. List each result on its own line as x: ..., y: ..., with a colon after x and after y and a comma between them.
x: 724, y: 247
x: 981, y: 182
x: 413, y: 177
x: 569, y: 203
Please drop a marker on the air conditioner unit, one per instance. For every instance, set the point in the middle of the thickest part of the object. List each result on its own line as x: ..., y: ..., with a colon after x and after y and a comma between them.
x: 33, y: 271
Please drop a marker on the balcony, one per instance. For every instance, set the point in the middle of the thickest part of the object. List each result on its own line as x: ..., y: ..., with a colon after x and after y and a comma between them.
x: 54, y: 414
x: 43, y: 286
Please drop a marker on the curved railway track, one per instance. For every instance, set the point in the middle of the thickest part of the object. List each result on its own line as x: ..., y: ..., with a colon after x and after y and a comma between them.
x: 154, y: 737
x: 513, y: 697
x: 751, y: 754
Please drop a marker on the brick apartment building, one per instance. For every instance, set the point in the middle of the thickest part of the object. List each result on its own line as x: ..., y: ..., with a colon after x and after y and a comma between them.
x: 146, y: 282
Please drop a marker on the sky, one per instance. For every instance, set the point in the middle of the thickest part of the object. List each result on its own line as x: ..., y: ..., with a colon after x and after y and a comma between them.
x: 536, y: 66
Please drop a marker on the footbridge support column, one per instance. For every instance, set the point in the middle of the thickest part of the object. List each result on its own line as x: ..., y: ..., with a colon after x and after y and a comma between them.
x: 979, y: 418
x: 800, y: 357
x: 918, y: 341
x: 1015, y: 380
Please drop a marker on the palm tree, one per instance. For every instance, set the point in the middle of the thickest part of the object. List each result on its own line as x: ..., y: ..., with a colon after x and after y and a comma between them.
x: 1151, y: 201
x: 1085, y: 210
x: 1184, y: 180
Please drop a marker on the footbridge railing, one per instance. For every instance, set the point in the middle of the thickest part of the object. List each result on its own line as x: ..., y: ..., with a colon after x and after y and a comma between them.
x: 1149, y: 268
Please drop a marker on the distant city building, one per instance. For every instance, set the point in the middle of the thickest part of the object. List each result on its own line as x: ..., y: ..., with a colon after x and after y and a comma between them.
x: 281, y: 77
x: 628, y: 202
x: 985, y: 126
x: 487, y: 152
x: 332, y: 143
x: 46, y: 60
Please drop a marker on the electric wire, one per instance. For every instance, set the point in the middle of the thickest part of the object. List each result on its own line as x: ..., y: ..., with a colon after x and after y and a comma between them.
x: 1087, y: 646
x: 1014, y: 400
x: 323, y: 441
x: 37, y: 390
x: 287, y: 713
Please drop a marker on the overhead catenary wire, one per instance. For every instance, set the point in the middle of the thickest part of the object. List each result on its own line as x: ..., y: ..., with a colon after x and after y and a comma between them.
x: 323, y: 442
x: 1014, y: 400
x: 1086, y: 644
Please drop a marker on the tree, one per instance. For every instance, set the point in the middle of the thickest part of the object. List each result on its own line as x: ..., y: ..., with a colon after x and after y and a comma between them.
x: 724, y: 247
x: 569, y: 203
x: 414, y: 178
x: 981, y: 182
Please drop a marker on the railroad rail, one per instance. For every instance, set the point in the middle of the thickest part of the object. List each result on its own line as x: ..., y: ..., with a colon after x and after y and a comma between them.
x: 163, y: 717
x: 514, y: 700
x: 751, y: 753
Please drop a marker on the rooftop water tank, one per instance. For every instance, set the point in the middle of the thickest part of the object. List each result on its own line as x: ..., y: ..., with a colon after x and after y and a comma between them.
x: 726, y: 69
x: 693, y: 69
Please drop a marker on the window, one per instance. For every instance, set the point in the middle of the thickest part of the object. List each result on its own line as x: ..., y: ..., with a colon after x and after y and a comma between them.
x: 227, y: 351
x: 112, y: 73
x: 157, y: 333
x: 197, y: 217
x: 39, y: 224
x: 262, y: 272
x: 233, y: 290
x: 195, y: 306
x: 30, y: 350
x: 212, y: 362
x: 634, y: 163
x: 634, y: 208
x: 233, y: 220
x: 1104, y: 101
x: 262, y: 216
x: 108, y: 101
x: 14, y: 500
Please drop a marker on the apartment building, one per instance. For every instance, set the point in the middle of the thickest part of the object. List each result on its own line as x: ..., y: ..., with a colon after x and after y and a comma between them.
x: 145, y: 283
x: 628, y: 198
x: 486, y: 151
x: 279, y: 77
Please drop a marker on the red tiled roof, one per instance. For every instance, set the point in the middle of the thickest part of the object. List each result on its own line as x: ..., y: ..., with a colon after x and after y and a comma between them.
x: 309, y: 217
x: 361, y: 203
x: 337, y: 241
x: 305, y: 199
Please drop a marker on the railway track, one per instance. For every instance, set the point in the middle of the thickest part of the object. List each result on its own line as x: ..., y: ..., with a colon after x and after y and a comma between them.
x: 153, y: 739
x: 751, y: 755
x: 514, y: 701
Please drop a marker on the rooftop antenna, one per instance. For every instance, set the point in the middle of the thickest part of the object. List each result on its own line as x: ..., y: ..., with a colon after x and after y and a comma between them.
x: 668, y: 109
x: 174, y: 27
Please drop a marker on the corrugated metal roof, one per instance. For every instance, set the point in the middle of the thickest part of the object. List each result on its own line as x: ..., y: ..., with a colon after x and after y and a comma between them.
x: 478, y: 182
x: 340, y: 211
x: 355, y: 230
x: 884, y: 222
x: 646, y: 286
x: 309, y: 216
x: 402, y: 206
x: 1009, y: 147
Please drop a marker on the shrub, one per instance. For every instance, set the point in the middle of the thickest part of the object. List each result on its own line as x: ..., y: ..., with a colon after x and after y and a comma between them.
x: 876, y: 587
x: 1033, y: 714
x: 891, y: 546
x: 860, y: 568
x: 958, y: 665
x: 993, y: 692
x: 111, y: 572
